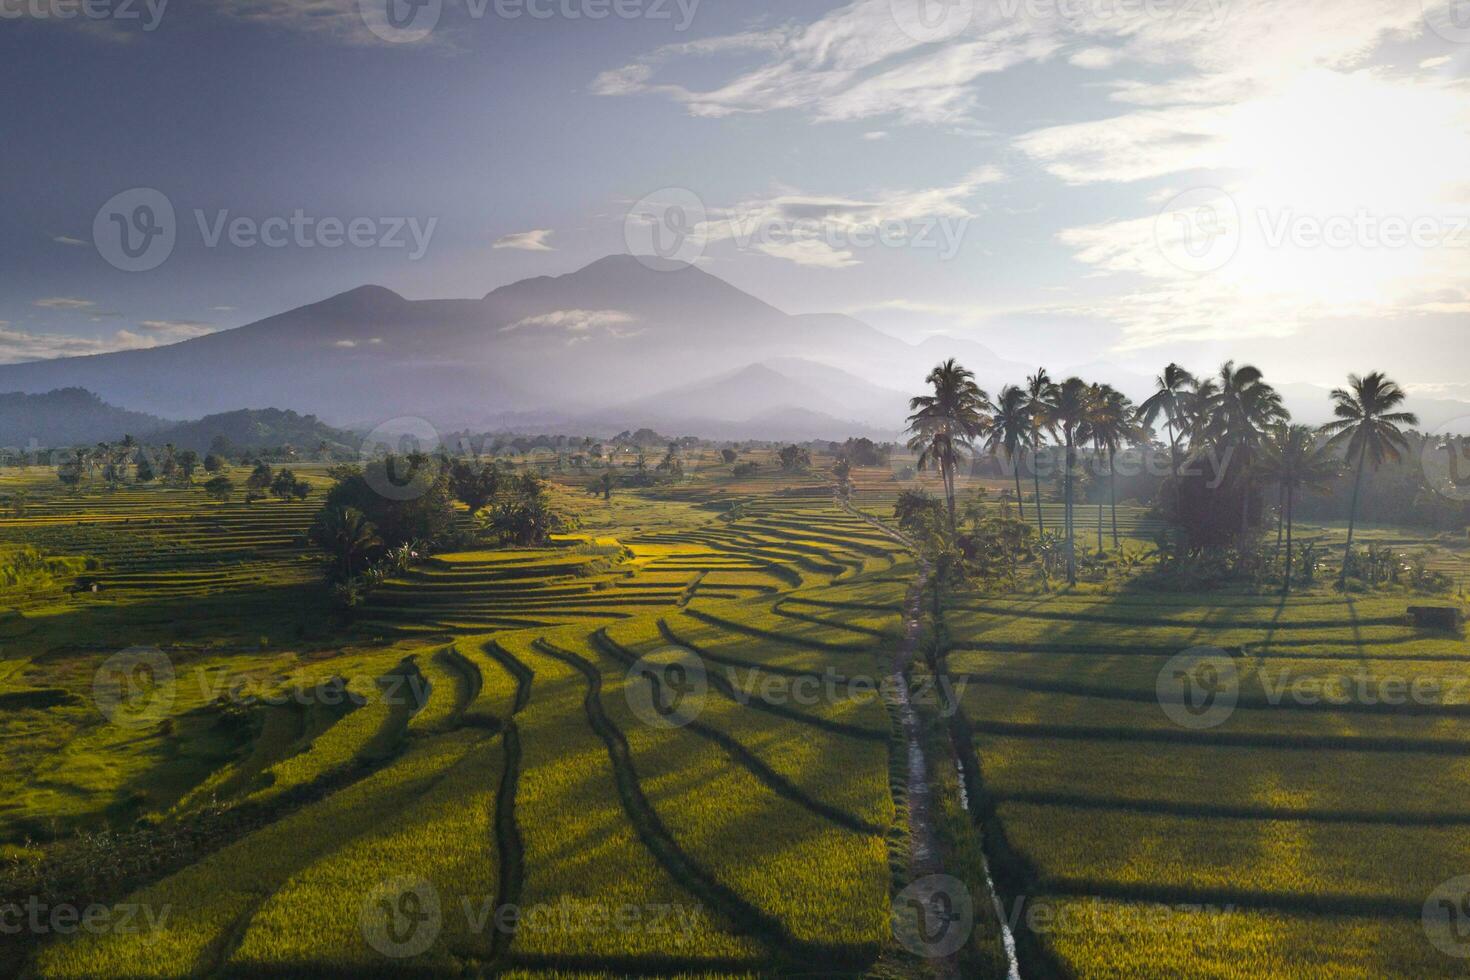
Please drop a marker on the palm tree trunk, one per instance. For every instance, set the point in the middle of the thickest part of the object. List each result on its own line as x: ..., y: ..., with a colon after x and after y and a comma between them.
x: 1353, y: 515
x: 1113, y: 494
x: 1019, y: 502
x: 947, y: 475
x: 1280, y: 518
x: 1286, y: 587
x: 1067, y: 510
x: 1036, y: 479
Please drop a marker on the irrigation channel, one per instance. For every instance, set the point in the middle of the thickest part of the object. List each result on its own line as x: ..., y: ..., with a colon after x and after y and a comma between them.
x: 927, y: 858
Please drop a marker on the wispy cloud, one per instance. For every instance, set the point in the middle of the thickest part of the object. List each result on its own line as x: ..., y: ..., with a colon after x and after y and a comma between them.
x: 576, y: 322
x: 64, y: 303
x: 527, y: 241
x: 68, y: 240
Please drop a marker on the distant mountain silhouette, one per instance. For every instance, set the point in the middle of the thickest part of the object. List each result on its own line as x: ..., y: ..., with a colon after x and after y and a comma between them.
x: 622, y: 341
x: 67, y: 417
x: 262, y: 428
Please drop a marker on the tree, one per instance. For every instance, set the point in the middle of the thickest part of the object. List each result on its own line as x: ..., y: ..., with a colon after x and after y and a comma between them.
x: 842, y: 469
x: 916, y: 508
x: 1038, y: 386
x: 260, y: 477
x: 70, y: 473
x: 143, y: 468
x: 1111, y: 424
x: 603, y: 486
x: 1065, y: 409
x: 219, y: 488
x: 283, y: 485
x: 1369, y: 427
x: 213, y: 463
x: 729, y: 455
x: 420, y: 510
x: 1293, y: 460
x: 1168, y: 401
x: 1242, y: 411
x: 346, y: 535
x: 946, y: 424
x: 794, y: 458
x: 1011, y: 432
x: 473, y: 484
x: 188, y: 462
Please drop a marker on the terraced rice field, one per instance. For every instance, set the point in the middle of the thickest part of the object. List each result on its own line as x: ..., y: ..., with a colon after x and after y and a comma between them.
x: 491, y: 759
x: 1300, y: 834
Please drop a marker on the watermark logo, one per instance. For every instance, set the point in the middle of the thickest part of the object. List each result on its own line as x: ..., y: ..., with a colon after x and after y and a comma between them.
x: 667, y: 688
x: 135, y: 230
x: 669, y: 225
x: 1198, y: 231
x: 150, y: 12
x: 1450, y: 19
x: 934, y: 916
x: 1446, y: 917
x: 1198, y: 688
x: 927, y: 21
x: 401, y: 917
x: 1445, y: 459
x: 400, y: 21
x: 400, y: 460
x: 135, y: 688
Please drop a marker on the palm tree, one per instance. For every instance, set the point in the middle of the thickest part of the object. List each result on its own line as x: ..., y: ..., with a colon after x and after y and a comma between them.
x: 946, y: 423
x: 1065, y: 410
x: 1366, y: 423
x: 1293, y: 459
x: 345, y: 534
x: 1170, y: 402
x: 1110, y: 424
x: 1243, y: 410
x: 1011, y: 432
x: 1037, y: 387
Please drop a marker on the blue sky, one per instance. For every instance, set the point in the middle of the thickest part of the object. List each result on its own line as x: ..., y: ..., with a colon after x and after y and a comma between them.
x: 1068, y: 181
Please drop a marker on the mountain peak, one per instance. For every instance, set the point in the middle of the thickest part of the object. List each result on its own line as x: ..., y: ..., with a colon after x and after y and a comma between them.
x: 362, y: 301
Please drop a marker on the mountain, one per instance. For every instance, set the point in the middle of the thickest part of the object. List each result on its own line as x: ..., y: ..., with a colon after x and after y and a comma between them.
x: 255, y: 429
x: 619, y: 338
x: 68, y: 417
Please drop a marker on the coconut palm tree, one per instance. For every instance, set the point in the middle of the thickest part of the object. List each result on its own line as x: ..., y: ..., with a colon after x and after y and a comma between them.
x: 1011, y: 432
x: 1110, y: 424
x: 1065, y: 410
x: 1293, y: 459
x: 1037, y: 386
x: 347, y: 535
x: 1243, y: 410
x: 947, y: 423
x: 1169, y: 401
x: 1369, y: 427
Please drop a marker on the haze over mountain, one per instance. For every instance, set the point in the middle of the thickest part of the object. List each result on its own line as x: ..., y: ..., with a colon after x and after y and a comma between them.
x: 621, y: 343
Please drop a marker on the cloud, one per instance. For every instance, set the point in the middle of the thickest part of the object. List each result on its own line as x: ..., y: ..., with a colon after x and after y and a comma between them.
x: 64, y: 303
x: 169, y: 331
x: 526, y: 241
x: 877, y: 135
x: 576, y: 322
x: 344, y: 343
x: 68, y: 240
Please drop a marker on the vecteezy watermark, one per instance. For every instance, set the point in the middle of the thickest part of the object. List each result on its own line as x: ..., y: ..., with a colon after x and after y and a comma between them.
x: 37, y: 917
x: 673, y: 225
x: 150, y: 12
x: 1446, y: 917
x: 137, y: 230
x: 1199, y: 230
x: 1198, y: 688
x: 934, y: 916
x: 401, y: 916
x: 407, y: 21
x: 830, y: 687
x: 404, y: 915
x: 669, y: 225
x: 667, y: 688
x: 1445, y: 459
x: 928, y: 21
x: 135, y: 688
x: 402, y: 458
x: 1450, y: 19
x: 1046, y: 916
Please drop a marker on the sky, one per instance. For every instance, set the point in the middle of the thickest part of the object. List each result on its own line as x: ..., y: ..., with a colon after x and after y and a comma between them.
x: 1071, y: 182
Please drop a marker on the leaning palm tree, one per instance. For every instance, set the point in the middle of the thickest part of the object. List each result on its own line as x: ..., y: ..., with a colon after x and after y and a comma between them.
x: 946, y: 424
x: 1169, y: 401
x: 1011, y: 432
x: 1294, y: 460
x: 1037, y: 387
x: 1368, y: 425
x: 1065, y: 410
